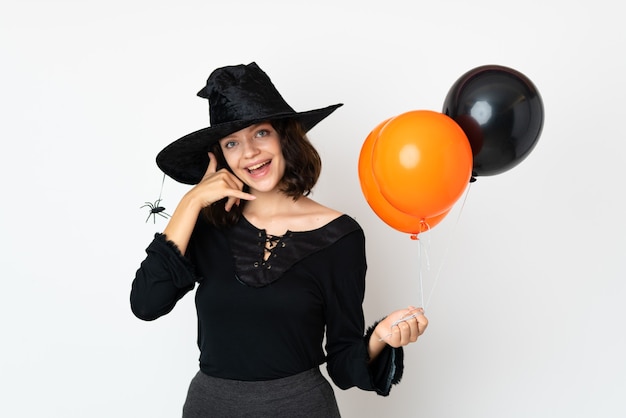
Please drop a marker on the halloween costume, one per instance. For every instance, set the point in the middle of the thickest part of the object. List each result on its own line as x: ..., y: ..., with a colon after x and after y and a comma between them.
x: 274, y: 330
x: 263, y: 321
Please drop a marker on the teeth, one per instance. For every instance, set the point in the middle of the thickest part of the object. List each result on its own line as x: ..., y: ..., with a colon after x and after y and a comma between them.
x: 255, y: 167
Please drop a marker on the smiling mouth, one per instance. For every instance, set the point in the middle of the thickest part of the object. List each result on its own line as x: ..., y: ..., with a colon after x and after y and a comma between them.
x: 255, y: 167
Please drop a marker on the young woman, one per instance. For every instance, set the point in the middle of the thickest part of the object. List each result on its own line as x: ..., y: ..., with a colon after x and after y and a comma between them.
x: 278, y: 274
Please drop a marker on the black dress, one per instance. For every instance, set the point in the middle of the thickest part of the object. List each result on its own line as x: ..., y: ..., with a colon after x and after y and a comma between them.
x: 259, y: 319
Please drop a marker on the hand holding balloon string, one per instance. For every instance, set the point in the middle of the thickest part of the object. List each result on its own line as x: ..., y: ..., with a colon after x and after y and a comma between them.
x: 410, y: 314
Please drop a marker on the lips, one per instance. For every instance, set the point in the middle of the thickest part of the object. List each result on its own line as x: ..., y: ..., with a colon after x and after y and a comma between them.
x: 254, y: 168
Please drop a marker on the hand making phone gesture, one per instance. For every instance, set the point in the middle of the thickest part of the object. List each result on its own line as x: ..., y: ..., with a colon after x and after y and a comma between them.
x: 214, y: 186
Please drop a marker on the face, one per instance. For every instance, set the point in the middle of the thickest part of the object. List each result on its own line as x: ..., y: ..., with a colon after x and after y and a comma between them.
x: 254, y: 155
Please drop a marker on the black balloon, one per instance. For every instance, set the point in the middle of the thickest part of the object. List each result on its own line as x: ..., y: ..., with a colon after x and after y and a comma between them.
x: 501, y: 113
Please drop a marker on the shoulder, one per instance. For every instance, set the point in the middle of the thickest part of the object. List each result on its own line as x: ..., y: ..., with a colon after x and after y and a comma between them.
x: 313, y: 215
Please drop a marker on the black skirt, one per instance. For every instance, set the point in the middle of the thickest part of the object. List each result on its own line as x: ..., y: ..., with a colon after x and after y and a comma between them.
x: 307, y: 394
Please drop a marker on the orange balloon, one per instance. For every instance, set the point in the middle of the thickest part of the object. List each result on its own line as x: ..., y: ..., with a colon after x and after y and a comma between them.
x: 422, y: 162
x: 383, y: 209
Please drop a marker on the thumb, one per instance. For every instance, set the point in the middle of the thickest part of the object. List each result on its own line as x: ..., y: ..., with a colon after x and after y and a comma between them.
x: 212, y: 168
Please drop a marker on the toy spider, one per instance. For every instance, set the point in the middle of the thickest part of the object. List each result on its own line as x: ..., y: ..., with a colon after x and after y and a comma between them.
x: 155, y: 210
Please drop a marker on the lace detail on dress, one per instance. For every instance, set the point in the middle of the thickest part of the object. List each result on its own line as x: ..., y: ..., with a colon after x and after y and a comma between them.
x: 261, y: 259
x: 272, y: 242
x: 272, y: 245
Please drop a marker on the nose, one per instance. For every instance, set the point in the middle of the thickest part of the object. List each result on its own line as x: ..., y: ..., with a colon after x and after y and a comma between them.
x: 250, y: 148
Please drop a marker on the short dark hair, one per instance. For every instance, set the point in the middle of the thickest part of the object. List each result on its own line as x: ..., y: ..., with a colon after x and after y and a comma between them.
x: 303, y: 166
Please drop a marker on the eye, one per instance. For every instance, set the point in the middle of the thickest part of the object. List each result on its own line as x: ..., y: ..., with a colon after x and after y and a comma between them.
x: 229, y: 144
x: 262, y: 133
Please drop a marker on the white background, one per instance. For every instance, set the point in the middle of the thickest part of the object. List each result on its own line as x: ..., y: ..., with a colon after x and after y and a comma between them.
x: 527, y: 313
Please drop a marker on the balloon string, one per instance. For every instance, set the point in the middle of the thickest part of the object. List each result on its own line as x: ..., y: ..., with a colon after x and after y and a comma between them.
x: 420, y: 276
x: 412, y: 313
x: 422, y: 257
x: 420, y: 260
x: 445, y: 254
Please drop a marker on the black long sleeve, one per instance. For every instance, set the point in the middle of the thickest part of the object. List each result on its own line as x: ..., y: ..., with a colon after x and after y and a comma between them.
x: 275, y: 330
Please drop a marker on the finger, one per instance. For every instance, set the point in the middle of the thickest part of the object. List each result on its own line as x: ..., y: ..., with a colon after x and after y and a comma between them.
x: 422, y: 323
x: 238, y: 195
x: 412, y: 312
x: 417, y: 326
x: 414, y: 330
x: 406, y: 334
x: 231, y: 180
x: 405, y: 315
x: 412, y: 327
x: 234, y: 198
x: 400, y: 335
x: 231, y: 186
x: 237, y: 184
x: 212, y: 168
x: 230, y: 202
x: 394, y: 337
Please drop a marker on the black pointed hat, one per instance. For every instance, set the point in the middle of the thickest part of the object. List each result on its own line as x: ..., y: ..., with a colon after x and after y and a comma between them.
x: 239, y: 96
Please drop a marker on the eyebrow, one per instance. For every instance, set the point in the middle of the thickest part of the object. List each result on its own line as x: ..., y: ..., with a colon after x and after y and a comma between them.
x: 251, y: 127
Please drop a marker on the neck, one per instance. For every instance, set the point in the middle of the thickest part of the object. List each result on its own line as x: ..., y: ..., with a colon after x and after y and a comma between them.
x: 269, y: 204
x: 275, y: 214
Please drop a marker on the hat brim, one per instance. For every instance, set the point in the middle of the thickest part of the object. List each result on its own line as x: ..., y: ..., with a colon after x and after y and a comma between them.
x: 185, y: 160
